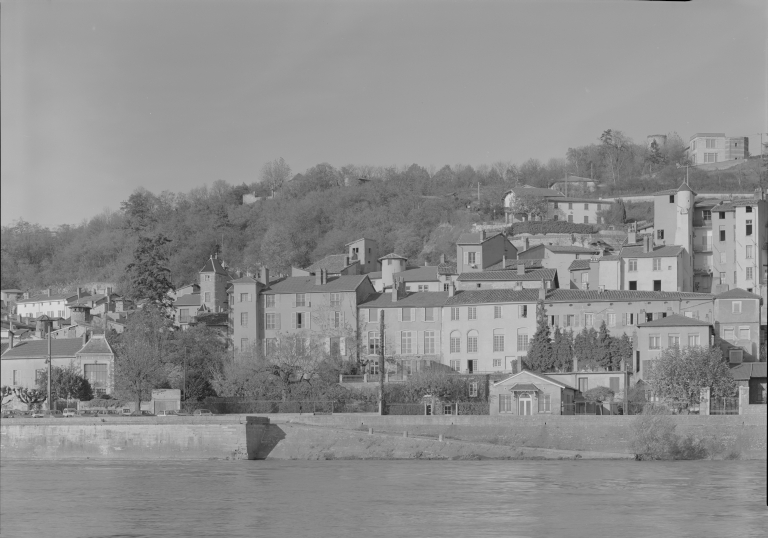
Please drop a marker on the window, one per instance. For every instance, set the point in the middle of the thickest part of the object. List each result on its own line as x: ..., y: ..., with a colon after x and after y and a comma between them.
x: 245, y: 297
x: 497, y: 363
x: 429, y: 342
x: 586, y: 219
x: 505, y: 403
x: 423, y: 287
x: 374, y: 343
x: 660, y: 234
x: 556, y: 217
x: 522, y: 342
x: 568, y: 320
x: 570, y: 218
x: 335, y: 346
x: 373, y: 367
x: 496, y: 312
x: 96, y: 374
x: 39, y: 375
x: 373, y: 315
x: 710, y: 157
x: 456, y: 366
x: 728, y: 333
x: 707, y: 213
x: 743, y: 333
x: 749, y: 275
x: 271, y: 321
x: 407, y: 314
x: 522, y: 311
x: 657, y: 264
x: 269, y: 301
x: 583, y: 384
x: 498, y: 342
x: 429, y: 314
x: 454, y: 313
x: 570, y: 205
x: 207, y: 278
x: 406, y: 341
x: 734, y: 278
x: 473, y: 389
x: 736, y: 307
x: 270, y: 346
x: 16, y: 377
x: 455, y: 342
x: 545, y: 403
x: 446, y: 286
x: 671, y: 198
x: 749, y: 252
x: 207, y: 297
x: 336, y: 320
x: 654, y: 341
x: 472, y: 312
x: 301, y: 299
x: 585, y: 278
x: 588, y: 320
x: 723, y: 258
x: 722, y: 278
x: 633, y: 285
x: 472, y: 342
x: 735, y: 356
x: 633, y: 265
x: 470, y: 257
x: 749, y: 227
x: 674, y: 340
x: 555, y: 205
x: 722, y: 229
x: 243, y: 319
x: 711, y: 143
x: 657, y: 285
x: 243, y: 344
x: 335, y: 299
x: 611, y: 320
x: 693, y: 340
x: 184, y: 315
x: 301, y: 320
x: 613, y: 384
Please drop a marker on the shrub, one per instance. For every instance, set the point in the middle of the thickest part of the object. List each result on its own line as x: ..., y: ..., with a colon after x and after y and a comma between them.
x: 550, y: 227
x: 653, y: 437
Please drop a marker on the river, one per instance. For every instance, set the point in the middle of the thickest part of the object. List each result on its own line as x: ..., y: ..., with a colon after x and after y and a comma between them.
x: 382, y: 498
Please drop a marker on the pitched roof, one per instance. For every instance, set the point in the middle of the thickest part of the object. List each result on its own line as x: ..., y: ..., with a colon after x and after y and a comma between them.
x: 191, y: 299
x: 571, y: 249
x: 494, y: 296
x: 213, y: 265
x: 356, y: 240
x: 44, y: 298
x: 475, y: 238
x: 96, y: 345
x: 333, y: 263
x: 244, y: 280
x: 60, y: 347
x: 665, y: 251
x: 675, y: 320
x: 664, y: 193
x: 578, y: 265
x: 412, y: 300
x: 393, y: 256
x: 446, y: 269
x: 749, y: 370
x: 530, y: 263
x: 582, y: 200
x: 534, y: 191
x: 419, y: 274
x: 524, y: 387
x: 534, y: 274
x: 687, y: 188
x: 737, y: 293
x: 374, y: 275
x: 306, y: 284
x: 540, y: 376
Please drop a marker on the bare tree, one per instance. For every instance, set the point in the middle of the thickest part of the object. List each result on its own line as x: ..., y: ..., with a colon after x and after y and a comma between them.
x: 294, y: 359
x: 275, y: 173
x: 617, y: 150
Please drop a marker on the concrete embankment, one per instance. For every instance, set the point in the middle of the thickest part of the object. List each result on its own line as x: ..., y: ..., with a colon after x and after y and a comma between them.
x: 347, y: 436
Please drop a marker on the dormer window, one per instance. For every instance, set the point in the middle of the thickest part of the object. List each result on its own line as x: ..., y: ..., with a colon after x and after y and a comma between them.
x: 671, y: 198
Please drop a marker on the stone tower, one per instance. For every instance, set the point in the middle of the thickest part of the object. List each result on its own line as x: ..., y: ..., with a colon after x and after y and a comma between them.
x: 684, y: 233
x: 213, y: 285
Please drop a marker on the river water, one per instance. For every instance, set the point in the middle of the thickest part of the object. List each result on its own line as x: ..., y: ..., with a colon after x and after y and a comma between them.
x: 382, y: 498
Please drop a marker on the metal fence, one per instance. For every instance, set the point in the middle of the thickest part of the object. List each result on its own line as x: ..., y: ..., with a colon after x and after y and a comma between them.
x: 222, y: 406
x: 439, y: 408
x: 724, y: 406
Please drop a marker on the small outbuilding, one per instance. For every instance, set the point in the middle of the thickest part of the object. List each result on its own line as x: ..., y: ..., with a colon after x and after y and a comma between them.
x: 528, y: 393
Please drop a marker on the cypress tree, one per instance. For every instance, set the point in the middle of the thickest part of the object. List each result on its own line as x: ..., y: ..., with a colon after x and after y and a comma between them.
x: 540, y: 349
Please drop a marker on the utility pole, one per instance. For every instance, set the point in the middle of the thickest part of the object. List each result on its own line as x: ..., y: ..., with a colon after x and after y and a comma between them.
x: 381, y: 361
x: 50, y: 371
x: 185, y: 373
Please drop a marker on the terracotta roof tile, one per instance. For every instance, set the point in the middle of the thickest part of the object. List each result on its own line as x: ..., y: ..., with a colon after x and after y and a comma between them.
x: 666, y: 251
x: 737, y: 293
x: 96, y: 346
x: 306, y: 284
x: 60, y: 347
x: 675, y: 320
x: 512, y: 276
x: 334, y: 263
x: 414, y: 299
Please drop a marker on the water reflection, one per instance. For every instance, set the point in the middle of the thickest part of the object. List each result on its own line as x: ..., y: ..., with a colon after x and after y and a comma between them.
x: 382, y: 498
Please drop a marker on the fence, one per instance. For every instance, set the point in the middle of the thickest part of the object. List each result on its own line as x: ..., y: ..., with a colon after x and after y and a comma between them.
x: 223, y: 406
x: 439, y: 408
x: 724, y: 406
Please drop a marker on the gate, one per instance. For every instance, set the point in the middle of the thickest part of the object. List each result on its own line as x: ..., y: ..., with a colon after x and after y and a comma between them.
x: 724, y: 406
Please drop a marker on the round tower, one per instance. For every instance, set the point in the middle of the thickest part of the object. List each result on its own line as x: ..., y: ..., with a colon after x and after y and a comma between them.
x: 684, y: 232
x: 390, y: 265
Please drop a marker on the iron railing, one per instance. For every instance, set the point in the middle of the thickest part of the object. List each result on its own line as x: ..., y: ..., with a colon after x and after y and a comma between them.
x: 724, y: 406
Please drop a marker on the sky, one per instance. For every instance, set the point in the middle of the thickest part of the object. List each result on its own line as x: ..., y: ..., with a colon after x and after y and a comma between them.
x: 100, y: 98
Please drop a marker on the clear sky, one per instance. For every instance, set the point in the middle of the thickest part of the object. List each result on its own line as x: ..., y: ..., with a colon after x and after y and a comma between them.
x: 101, y: 97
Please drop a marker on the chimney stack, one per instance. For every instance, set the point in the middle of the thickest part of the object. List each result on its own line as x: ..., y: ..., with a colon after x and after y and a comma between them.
x: 647, y: 244
x: 264, y: 276
x: 482, y: 235
x: 395, y: 288
x: 451, y: 289
x: 542, y: 291
x: 503, y: 262
x: 632, y: 234
x: 520, y: 269
x: 48, y: 292
x: 525, y: 244
x: 10, y: 338
x: 319, y: 277
x: 324, y: 276
x: 85, y: 337
x: 442, y: 258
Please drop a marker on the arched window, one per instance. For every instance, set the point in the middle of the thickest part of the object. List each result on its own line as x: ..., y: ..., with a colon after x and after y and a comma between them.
x: 472, y: 341
x: 455, y: 342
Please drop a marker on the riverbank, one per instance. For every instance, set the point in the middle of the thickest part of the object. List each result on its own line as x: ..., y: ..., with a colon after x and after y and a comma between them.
x: 308, y: 437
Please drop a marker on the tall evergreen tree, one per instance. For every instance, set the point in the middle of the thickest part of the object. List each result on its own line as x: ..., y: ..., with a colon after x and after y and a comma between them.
x: 540, y: 349
x: 584, y: 349
x: 148, y: 276
x: 562, y: 350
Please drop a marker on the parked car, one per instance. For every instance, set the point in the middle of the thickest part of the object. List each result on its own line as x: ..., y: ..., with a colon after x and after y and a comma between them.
x: 172, y: 413
x: 88, y: 413
x: 69, y: 412
x: 142, y: 414
x: 45, y: 413
x: 9, y: 413
x: 203, y: 413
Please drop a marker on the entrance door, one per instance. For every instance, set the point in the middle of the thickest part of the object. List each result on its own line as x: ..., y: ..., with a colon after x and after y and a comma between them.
x: 525, y: 405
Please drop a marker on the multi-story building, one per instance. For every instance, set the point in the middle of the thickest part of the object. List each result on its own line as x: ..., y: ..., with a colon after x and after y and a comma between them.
x: 560, y: 258
x: 245, y: 313
x: 519, y: 278
x: 477, y: 251
x: 652, y: 268
x: 316, y: 307
x: 705, y: 148
x: 577, y: 210
x: 738, y: 325
x: 671, y: 331
x: 213, y: 285
x: 47, y: 303
x: 412, y: 328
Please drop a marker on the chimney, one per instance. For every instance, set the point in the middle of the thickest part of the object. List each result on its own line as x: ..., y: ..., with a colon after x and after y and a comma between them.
x: 10, y: 339
x: 482, y: 235
x: 632, y: 234
x: 48, y: 292
x: 347, y: 260
x: 520, y: 269
x: 395, y: 286
x: 504, y: 262
x: 324, y: 276
x: 442, y: 258
x: 647, y: 244
x: 319, y: 277
x: 542, y: 291
x: 526, y: 244
x: 575, y: 364
x: 264, y: 276
x: 451, y: 289
x: 25, y: 295
x: 85, y: 337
